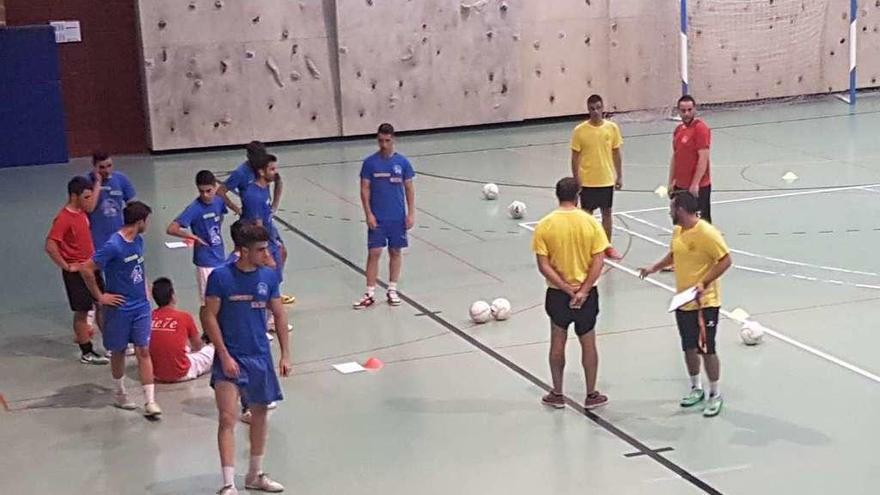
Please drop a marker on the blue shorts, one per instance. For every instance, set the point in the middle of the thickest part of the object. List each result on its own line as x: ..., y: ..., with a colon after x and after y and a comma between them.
x: 122, y: 326
x: 388, y: 233
x: 257, y: 381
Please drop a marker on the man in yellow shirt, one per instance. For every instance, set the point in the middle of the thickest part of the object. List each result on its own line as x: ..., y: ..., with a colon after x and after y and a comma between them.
x: 701, y: 257
x: 569, y: 245
x: 597, y: 164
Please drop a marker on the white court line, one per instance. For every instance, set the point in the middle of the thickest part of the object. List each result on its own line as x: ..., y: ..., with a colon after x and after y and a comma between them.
x: 752, y: 269
x: 780, y: 336
x: 756, y: 198
x: 760, y: 256
x: 718, y: 470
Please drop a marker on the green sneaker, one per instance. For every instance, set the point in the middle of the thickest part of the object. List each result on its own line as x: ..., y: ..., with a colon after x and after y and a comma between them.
x: 693, y: 398
x: 713, y: 406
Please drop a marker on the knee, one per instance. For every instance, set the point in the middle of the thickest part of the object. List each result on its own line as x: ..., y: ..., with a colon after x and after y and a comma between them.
x: 142, y: 352
x: 228, y: 419
x: 394, y: 253
x: 557, y: 355
x: 374, y: 254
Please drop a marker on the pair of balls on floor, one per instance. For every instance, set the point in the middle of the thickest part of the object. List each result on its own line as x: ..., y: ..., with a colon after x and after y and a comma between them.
x: 516, y: 210
x: 482, y: 312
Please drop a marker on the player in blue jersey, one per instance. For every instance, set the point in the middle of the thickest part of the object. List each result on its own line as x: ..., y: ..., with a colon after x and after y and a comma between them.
x: 237, y: 297
x: 127, y: 315
x: 389, y: 201
x: 204, y: 219
x: 105, y: 217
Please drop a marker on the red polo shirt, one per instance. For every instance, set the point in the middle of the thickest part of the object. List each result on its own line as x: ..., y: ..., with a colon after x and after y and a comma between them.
x: 70, y: 230
x: 686, y: 142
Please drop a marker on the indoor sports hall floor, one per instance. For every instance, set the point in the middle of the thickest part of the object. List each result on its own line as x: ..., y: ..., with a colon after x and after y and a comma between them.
x: 456, y: 408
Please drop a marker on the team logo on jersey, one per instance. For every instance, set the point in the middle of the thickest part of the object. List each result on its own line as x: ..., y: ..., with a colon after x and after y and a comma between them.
x: 109, y: 208
x: 137, y: 274
x: 214, y: 232
x: 262, y: 289
x: 398, y: 170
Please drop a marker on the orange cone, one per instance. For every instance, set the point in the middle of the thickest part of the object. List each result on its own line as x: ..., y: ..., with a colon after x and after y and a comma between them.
x: 374, y: 364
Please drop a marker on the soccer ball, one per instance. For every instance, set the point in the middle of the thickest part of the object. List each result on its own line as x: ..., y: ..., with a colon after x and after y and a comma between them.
x: 490, y: 191
x: 517, y: 209
x: 752, y: 333
x: 500, y: 309
x: 480, y: 312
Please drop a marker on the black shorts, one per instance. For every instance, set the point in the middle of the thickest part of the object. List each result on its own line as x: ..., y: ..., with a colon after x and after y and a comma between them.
x: 78, y: 294
x: 597, y: 197
x: 689, y: 328
x: 703, y: 201
x: 584, y: 319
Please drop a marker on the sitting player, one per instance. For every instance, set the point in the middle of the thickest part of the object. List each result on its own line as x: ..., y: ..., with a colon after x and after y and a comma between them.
x: 177, y: 352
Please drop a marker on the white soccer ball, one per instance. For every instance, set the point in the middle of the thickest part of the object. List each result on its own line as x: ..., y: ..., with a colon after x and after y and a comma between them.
x: 490, y: 191
x: 752, y: 333
x: 500, y: 309
x: 517, y: 209
x: 480, y: 312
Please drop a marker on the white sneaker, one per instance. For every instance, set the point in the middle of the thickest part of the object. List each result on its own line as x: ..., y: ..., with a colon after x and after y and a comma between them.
x: 263, y: 483
x: 227, y: 490
x: 123, y: 402
x: 272, y: 405
x: 129, y: 351
x: 151, y: 410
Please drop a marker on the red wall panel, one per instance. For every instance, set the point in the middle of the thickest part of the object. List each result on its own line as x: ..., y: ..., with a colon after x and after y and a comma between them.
x: 100, y: 77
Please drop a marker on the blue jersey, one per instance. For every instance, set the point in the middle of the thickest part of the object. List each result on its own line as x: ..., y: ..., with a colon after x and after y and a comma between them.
x: 106, y: 218
x: 240, y: 179
x: 387, y: 177
x: 244, y: 298
x: 122, y: 263
x: 256, y: 204
x: 205, y: 221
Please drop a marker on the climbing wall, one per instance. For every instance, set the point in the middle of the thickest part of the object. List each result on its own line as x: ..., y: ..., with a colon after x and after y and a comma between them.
x: 868, y: 74
x: 222, y: 72
x: 427, y: 64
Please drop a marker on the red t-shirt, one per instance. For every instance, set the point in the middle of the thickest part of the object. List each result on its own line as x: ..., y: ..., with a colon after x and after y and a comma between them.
x: 686, y: 141
x: 70, y: 230
x: 169, y: 339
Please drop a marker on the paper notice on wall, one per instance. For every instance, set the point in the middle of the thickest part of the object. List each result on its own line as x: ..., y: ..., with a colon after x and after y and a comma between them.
x: 67, y: 31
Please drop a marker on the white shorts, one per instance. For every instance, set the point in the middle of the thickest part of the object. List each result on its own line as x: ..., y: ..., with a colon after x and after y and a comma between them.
x: 202, y: 273
x: 199, y: 363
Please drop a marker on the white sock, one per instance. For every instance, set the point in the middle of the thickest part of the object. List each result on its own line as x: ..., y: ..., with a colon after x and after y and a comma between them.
x: 714, y: 389
x: 120, y: 385
x: 228, y: 475
x: 371, y: 290
x: 695, y: 382
x: 150, y: 392
x: 256, y: 466
x: 392, y: 285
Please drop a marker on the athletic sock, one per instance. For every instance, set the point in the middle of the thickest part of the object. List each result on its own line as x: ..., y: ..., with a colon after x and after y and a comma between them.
x: 256, y: 465
x: 714, y: 389
x: 371, y: 290
x: 392, y: 286
x: 87, y: 348
x: 150, y: 393
x: 228, y: 475
x: 695, y: 382
x: 120, y: 385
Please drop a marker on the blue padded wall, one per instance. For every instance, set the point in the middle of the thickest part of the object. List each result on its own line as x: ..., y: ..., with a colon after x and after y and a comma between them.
x: 31, y: 112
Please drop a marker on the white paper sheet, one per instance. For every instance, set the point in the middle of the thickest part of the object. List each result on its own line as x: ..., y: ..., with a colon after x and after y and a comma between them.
x: 175, y: 244
x: 682, y: 298
x: 346, y: 368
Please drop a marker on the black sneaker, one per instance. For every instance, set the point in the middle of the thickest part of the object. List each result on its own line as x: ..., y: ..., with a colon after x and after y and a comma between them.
x: 93, y: 358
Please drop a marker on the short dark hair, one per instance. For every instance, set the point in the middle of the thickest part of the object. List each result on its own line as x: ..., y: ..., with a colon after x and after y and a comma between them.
x: 254, y: 149
x: 205, y: 178
x: 263, y: 161
x: 235, y: 231
x: 594, y: 99
x: 252, y: 234
x: 135, y: 211
x: 686, y: 98
x: 163, y: 291
x: 567, y: 189
x: 99, y: 156
x: 686, y: 201
x: 386, y: 128
x: 78, y: 185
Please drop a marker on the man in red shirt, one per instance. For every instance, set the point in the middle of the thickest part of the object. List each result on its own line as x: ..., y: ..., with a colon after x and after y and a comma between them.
x: 689, y: 167
x: 175, y: 347
x: 69, y: 244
